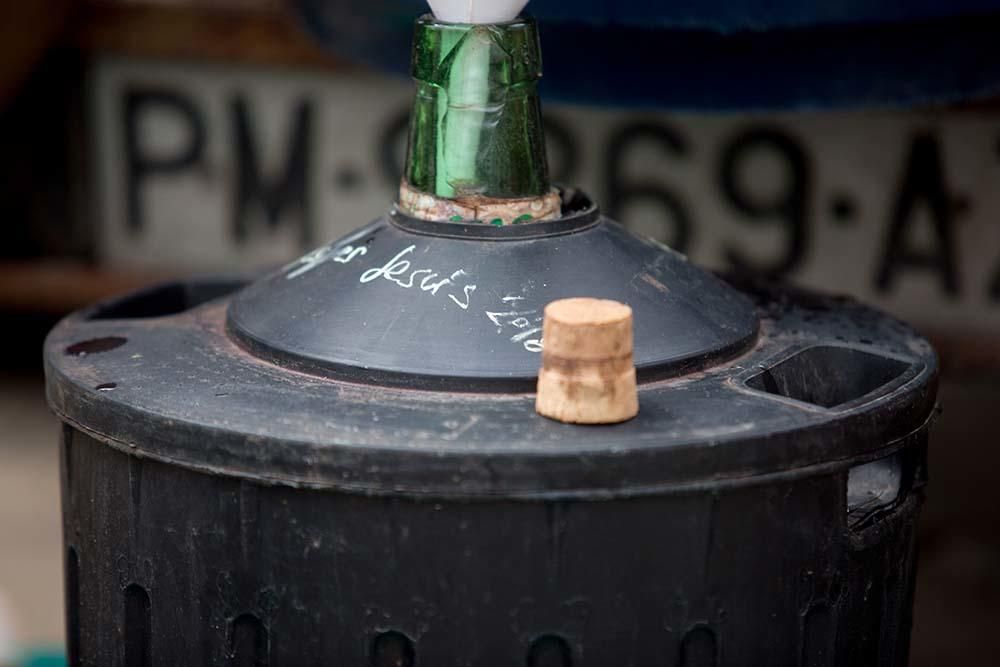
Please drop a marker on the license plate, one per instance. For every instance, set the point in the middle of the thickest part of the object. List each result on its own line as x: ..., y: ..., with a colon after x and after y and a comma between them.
x: 210, y: 168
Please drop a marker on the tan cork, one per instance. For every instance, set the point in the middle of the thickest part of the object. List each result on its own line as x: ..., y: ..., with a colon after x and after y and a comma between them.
x: 587, y: 374
x: 488, y: 210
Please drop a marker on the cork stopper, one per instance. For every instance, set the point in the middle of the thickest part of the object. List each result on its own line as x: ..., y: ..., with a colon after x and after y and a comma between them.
x: 587, y: 374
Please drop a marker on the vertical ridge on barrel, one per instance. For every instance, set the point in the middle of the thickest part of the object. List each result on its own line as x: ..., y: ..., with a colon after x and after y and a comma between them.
x: 867, y: 605
x: 896, y: 597
x: 249, y: 518
x: 909, y: 582
x: 889, y: 634
x: 72, y: 607
x: 135, y: 496
x: 72, y: 564
x: 67, y: 463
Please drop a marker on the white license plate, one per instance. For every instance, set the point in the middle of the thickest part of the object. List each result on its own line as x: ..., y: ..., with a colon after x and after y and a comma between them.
x: 219, y: 167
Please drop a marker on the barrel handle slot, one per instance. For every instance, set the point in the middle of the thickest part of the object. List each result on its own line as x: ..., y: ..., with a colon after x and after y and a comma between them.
x: 830, y: 376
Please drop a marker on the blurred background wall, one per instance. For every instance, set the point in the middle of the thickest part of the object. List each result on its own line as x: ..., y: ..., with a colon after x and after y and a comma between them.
x: 144, y: 139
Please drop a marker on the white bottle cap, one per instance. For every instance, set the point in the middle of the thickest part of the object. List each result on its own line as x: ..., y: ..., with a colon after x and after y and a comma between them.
x: 477, y: 11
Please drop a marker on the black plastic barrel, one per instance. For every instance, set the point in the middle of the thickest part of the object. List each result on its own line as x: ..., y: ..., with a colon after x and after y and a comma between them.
x: 340, y: 464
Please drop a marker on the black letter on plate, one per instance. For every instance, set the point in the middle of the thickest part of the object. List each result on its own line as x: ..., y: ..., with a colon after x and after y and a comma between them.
x: 789, y: 207
x: 619, y: 193
x: 922, y: 182
x: 139, y: 165
x: 288, y: 189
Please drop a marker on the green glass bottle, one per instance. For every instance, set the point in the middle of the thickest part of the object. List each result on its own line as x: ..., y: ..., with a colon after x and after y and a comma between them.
x: 477, y: 147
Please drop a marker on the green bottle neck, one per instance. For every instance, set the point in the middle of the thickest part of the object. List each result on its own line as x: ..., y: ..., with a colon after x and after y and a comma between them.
x: 476, y: 137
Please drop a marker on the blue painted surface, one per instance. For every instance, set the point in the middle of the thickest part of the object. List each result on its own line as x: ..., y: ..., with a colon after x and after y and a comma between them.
x: 722, y: 55
x: 719, y: 15
x: 738, y: 15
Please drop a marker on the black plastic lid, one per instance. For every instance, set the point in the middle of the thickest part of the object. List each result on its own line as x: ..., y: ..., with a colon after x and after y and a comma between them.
x: 457, y: 306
